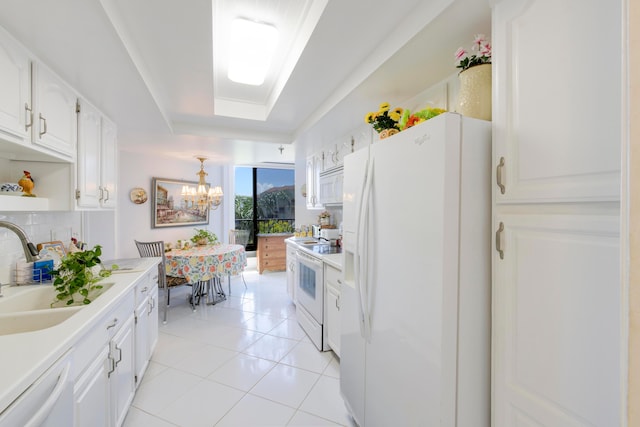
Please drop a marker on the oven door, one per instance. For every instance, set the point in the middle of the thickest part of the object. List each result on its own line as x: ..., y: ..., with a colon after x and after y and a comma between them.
x: 310, y: 282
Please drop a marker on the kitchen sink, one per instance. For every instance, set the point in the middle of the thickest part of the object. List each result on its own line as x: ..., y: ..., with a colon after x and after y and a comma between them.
x: 36, y: 297
x: 29, y: 321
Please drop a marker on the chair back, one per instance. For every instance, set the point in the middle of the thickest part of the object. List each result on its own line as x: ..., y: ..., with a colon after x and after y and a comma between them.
x: 239, y: 237
x: 154, y: 249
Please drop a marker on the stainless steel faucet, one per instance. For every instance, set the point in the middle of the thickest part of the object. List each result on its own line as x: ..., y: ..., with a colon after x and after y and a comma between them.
x: 30, y: 251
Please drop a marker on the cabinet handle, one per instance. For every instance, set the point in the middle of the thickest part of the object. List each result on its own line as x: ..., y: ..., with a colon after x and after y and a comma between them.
x: 28, y: 120
x: 113, y: 323
x: 113, y: 365
x: 119, y: 355
x: 101, y: 197
x: 499, y: 240
x: 499, y: 177
x: 44, y: 125
x: 106, y: 190
x: 338, y: 303
x: 143, y: 290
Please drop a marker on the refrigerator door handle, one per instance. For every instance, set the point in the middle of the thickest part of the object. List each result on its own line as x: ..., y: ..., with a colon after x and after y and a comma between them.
x: 357, y: 256
x: 365, y: 255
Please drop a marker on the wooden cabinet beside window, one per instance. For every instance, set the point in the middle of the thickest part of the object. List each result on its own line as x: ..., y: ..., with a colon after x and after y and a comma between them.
x: 272, y: 252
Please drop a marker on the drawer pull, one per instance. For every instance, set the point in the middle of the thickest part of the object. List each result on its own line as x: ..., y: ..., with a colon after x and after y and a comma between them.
x: 113, y: 323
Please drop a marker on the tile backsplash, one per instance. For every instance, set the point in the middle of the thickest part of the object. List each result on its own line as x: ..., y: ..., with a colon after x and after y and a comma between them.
x: 40, y: 227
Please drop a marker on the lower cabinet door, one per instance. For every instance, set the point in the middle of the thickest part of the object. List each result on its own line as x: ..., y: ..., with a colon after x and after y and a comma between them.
x: 333, y: 319
x: 153, y: 319
x: 557, y: 307
x: 122, y: 378
x: 142, y: 339
x: 91, y: 394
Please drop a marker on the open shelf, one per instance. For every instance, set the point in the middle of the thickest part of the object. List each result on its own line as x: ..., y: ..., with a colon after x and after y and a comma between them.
x: 18, y: 203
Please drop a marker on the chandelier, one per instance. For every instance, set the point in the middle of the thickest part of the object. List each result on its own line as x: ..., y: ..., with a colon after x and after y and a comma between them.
x: 203, y: 197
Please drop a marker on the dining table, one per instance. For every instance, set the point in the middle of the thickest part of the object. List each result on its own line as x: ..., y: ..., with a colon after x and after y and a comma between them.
x: 204, y: 266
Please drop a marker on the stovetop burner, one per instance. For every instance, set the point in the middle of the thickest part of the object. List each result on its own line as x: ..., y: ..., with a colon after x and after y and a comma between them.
x: 324, y: 249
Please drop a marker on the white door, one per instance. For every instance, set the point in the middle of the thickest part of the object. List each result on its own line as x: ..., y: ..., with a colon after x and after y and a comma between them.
x: 406, y: 301
x: 108, y: 164
x: 557, y: 311
x: 88, y: 165
x: 55, y: 119
x: 15, y: 88
x: 91, y: 394
x: 142, y: 339
x: 557, y: 302
x: 557, y: 118
x: 123, y: 377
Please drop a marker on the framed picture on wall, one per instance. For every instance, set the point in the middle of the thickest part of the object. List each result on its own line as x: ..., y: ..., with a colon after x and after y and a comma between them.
x: 170, y: 208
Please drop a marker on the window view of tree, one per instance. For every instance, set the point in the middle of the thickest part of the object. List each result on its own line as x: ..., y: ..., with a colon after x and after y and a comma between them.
x: 264, y: 201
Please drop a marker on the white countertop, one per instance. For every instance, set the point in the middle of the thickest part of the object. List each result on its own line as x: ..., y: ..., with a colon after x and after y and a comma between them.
x: 26, y: 356
x: 334, y: 260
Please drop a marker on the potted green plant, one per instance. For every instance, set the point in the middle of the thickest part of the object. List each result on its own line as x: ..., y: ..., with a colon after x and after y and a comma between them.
x: 204, y: 237
x: 77, y: 276
x: 274, y: 226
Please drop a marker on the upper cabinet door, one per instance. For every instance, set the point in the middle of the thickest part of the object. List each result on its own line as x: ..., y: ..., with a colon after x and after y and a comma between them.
x: 108, y: 163
x: 557, y: 100
x: 55, y: 120
x: 88, y: 164
x: 15, y: 89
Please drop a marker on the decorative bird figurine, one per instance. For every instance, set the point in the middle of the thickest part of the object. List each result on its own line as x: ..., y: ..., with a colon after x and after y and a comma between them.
x: 27, y: 184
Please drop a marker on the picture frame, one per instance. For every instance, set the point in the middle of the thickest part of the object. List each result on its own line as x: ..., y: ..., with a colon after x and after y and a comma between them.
x: 170, y: 209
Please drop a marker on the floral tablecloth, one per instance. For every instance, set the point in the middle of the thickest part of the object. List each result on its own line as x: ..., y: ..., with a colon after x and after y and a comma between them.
x: 202, y: 263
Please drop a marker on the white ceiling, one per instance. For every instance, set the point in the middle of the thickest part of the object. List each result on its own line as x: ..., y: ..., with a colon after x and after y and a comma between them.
x: 148, y: 64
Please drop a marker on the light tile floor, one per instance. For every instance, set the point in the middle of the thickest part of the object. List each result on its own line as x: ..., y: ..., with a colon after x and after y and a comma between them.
x: 242, y: 362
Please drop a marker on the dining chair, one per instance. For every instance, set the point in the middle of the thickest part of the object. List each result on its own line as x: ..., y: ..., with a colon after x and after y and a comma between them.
x: 239, y: 237
x: 156, y: 249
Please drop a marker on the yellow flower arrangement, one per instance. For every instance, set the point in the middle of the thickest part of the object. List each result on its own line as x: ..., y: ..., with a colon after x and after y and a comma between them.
x: 384, y: 118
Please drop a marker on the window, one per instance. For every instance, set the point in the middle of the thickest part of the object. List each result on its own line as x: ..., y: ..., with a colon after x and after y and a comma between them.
x: 264, y: 201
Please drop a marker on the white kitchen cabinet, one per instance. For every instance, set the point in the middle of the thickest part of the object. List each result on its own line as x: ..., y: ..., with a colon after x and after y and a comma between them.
x: 105, y: 363
x: 557, y: 341
x: 15, y: 87
x: 96, y: 164
x: 557, y: 309
x: 104, y: 392
x: 108, y: 164
x: 292, y: 259
x: 314, y: 165
x: 146, y: 325
x: 54, y: 112
x: 122, y: 375
x: 88, y: 164
x: 558, y: 132
x: 333, y: 154
x: 91, y: 394
x: 332, y: 286
x: 331, y: 186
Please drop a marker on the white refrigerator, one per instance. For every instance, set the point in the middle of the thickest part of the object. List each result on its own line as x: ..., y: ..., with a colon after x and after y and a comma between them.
x: 415, y: 303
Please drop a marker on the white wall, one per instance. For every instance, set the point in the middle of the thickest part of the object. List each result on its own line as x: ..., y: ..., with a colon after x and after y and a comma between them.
x: 134, y: 221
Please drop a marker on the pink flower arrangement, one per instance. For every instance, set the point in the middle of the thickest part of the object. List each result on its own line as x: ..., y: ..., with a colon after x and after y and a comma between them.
x: 483, y: 56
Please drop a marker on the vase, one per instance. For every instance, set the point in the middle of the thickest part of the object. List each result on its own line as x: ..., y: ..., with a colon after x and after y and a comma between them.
x: 385, y: 133
x: 474, y: 97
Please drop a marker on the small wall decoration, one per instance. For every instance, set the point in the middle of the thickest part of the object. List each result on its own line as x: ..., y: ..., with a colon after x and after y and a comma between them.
x: 170, y: 209
x: 138, y: 196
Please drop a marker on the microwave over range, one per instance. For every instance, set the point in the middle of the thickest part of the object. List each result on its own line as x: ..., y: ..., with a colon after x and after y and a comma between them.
x: 331, y: 186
